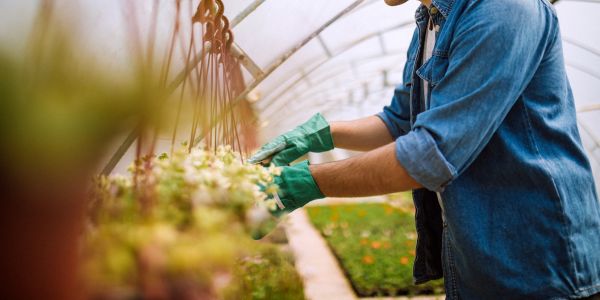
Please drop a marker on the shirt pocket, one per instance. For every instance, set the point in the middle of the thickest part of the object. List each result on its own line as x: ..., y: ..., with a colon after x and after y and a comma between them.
x: 434, y: 69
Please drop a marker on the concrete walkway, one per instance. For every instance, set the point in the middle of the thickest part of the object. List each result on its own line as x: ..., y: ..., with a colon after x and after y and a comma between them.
x: 319, y: 269
x: 322, y: 275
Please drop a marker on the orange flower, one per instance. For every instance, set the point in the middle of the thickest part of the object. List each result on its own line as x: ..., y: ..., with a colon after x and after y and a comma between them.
x: 375, y: 245
x: 412, y: 252
x: 368, y: 260
x: 335, y: 217
x: 362, y: 213
x: 389, y: 210
x: 404, y: 260
x: 364, y: 242
x: 387, y: 245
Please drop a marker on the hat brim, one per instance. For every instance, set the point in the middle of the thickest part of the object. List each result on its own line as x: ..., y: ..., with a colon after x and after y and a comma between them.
x: 395, y: 2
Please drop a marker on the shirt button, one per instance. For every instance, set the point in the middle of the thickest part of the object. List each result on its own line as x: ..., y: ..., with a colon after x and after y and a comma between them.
x: 433, y: 10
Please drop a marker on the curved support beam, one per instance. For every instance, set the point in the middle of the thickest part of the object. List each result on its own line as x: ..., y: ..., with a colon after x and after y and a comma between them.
x: 584, y: 1
x: 583, y: 69
x: 277, y: 98
x: 283, y: 58
x: 581, y: 45
x: 246, y: 12
x: 592, y: 135
x: 332, y: 73
x: 332, y: 101
x: 588, y: 108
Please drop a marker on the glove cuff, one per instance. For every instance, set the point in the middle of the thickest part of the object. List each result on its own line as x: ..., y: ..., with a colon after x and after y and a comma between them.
x: 297, y: 186
x: 319, y: 133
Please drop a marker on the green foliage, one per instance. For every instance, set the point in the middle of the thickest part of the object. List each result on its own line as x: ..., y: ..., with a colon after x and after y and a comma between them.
x: 266, y: 275
x: 375, y: 244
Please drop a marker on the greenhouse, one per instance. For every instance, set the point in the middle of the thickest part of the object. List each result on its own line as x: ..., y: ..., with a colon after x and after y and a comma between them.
x: 277, y: 149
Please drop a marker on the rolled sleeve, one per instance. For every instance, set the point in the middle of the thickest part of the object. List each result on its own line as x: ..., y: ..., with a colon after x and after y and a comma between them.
x: 394, y: 130
x: 418, y: 153
x: 467, y: 94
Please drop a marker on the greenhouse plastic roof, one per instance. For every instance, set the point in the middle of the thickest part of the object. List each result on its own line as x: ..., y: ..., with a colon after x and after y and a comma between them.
x: 346, y: 71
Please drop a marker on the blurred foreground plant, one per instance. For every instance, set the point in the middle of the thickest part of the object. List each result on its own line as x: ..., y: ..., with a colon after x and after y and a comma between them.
x: 187, y: 244
x: 176, y: 223
x: 57, y: 116
x: 267, y: 275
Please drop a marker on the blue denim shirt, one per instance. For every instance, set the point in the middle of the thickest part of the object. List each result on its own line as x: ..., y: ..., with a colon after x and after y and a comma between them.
x: 501, y: 145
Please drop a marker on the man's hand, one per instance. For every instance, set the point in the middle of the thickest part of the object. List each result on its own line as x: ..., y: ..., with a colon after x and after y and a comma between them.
x: 296, y: 188
x: 372, y: 173
x: 312, y: 136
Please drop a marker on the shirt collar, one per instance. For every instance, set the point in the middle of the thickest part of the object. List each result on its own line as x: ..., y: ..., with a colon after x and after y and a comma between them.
x: 444, y: 6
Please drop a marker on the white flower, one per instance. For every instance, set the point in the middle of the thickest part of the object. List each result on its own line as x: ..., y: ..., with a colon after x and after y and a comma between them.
x: 271, y: 204
x: 191, y: 175
x: 201, y: 196
x: 221, y: 181
x: 258, y: 214
x: 209, y: 177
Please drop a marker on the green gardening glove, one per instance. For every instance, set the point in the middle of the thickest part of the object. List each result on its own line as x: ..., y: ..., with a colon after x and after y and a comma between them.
x: 312, y: 136
x: 297, y: 187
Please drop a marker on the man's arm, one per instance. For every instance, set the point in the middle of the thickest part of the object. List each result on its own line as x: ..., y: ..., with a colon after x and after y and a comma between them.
x: 376, y: 172
x: 360, y: 135
x: 467, y: 107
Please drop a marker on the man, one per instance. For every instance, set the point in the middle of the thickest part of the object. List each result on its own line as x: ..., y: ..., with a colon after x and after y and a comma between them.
x: 483, y: 130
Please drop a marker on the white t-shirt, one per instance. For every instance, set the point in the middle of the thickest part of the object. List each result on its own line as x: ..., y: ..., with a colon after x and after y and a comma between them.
x: 427, y: 54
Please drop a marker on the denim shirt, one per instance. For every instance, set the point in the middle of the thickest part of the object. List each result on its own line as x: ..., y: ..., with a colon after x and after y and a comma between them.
x: 500, y: 143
